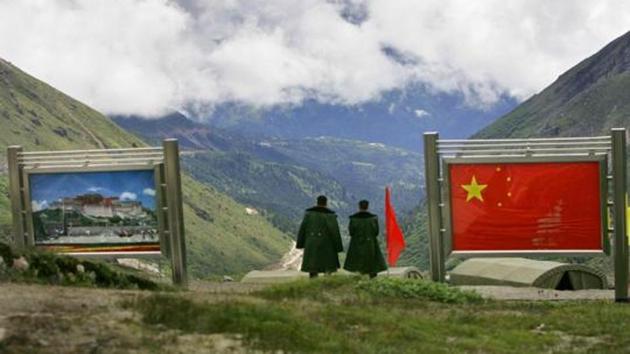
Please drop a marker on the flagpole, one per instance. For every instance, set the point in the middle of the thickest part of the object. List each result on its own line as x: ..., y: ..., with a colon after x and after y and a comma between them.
x: 386, y: 238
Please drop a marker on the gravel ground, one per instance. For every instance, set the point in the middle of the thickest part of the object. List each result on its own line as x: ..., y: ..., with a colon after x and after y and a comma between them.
x: 51, y: 319
x: 514, y: 293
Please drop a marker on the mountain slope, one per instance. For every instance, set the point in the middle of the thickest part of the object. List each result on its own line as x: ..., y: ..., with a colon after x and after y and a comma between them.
x: 221, y: 237
x: 36, y: 116
x: 398, y: 118
x: 282, y: 190
x: 587, y: 100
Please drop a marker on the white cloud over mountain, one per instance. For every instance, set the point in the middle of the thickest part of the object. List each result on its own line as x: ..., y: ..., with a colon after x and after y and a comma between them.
x: 37, y: 205
x: 128, y: 196
x: 151, y: 56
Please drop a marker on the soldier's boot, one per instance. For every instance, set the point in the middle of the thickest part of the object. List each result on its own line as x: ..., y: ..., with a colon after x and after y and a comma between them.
x: 372, y: 275
x: 312, y: 275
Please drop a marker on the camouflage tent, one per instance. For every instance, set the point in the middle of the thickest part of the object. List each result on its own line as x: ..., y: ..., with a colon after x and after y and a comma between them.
x: 527, y: 272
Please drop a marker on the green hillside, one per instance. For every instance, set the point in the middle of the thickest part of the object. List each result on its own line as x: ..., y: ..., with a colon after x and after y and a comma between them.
x: 282, y: 190
x: 587, y: 100
x: 221, y: 237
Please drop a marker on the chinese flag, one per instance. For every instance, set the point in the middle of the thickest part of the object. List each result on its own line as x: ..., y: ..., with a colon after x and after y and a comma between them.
x: 395, y: 239
x: 525, y: 206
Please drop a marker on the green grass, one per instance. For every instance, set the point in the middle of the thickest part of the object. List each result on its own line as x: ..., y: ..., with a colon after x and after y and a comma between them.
x: 5, y: 210
x: 355, y: 315
x: 221, y: 237
x: 264, y: 327
x: 343, y: 288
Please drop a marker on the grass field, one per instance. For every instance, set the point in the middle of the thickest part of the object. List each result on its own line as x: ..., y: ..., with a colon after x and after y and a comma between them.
x: 353, y: 315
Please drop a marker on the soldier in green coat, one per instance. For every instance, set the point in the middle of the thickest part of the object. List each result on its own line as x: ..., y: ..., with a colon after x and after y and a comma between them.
x: 364, y: 253
x: 320, y: 238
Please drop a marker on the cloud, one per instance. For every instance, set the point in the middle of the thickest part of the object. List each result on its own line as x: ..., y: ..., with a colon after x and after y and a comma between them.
x: 95, y: 189
x: 128, y: 196
x: 39, y: 205
x: 149, y: 191
x: 421, y: 113
x: 149, y: 57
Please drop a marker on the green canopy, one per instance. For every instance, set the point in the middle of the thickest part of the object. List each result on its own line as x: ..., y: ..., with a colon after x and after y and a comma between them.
x: 527, y: 272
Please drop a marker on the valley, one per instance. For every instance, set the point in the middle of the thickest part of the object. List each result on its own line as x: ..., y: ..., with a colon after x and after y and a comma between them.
x: 283, y: 176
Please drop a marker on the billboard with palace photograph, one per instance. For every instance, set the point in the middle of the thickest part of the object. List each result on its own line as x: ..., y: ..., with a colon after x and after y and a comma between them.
x: 112, y: 211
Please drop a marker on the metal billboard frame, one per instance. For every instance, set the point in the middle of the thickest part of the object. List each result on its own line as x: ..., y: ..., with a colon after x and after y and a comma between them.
x: 163, y: 162
x: 608, y: 151
x: 447, y: 223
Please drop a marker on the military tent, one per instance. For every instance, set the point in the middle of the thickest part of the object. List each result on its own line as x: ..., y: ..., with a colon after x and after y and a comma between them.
x: 527, y: 273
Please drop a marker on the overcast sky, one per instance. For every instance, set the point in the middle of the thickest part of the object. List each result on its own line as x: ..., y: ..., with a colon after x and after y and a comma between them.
x: 149, y: 57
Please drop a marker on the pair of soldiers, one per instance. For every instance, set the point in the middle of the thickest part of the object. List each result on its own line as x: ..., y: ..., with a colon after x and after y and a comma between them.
x: 319, y: 237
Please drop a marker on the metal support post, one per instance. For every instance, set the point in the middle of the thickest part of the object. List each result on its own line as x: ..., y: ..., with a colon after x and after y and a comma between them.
x: 433, y: 196
x: 15, y: 193
x: 175, y: 212
x: 619, y: 200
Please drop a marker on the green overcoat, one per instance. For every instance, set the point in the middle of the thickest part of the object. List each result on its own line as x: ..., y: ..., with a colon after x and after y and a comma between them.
x: 364, y: 254
x: 320, y: 238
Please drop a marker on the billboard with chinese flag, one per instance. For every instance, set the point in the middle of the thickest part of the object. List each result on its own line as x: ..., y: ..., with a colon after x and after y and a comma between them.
x: 526, y: 206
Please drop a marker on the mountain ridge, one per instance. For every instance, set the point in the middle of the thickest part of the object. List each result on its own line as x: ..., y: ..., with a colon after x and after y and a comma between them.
x: 397, y: 118
x: 588, y: 99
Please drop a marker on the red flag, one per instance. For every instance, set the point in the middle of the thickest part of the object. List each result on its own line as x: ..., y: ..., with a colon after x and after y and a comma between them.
x: 526, y: 206
x: 395, y: 239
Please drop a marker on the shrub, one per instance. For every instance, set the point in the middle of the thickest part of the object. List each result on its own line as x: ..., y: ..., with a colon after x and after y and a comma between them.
x: 58, y: 269
x: 416, y: 289
x: 307, y: 288
x: 6, y: 253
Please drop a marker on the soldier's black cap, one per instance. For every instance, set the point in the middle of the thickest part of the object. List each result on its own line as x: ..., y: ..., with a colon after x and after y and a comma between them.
x: 364, y: 204
x: 322, y: 200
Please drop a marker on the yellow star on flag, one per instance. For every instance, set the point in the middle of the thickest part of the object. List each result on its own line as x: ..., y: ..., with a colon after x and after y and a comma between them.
x: 474, y: 189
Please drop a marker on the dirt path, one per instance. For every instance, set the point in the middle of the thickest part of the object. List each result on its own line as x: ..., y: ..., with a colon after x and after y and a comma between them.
x: 96, y: 139
x: 292, y: 260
